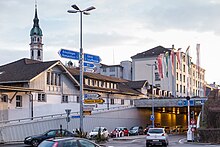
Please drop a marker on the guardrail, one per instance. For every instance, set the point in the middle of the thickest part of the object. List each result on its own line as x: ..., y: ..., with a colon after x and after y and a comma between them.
x: 60, y: 115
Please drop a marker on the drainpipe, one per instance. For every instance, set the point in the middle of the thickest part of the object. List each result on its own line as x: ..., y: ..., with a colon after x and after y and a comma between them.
x: 32, y: 105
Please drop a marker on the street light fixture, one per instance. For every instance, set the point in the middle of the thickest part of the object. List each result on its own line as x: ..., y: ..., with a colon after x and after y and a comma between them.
x: 85, y: 11
x: 152, y: 69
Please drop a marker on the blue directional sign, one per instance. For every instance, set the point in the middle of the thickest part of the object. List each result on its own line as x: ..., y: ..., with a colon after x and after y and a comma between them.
x: 77, y: 116
x: 185, y: 103
x: 89, y: 65
x: 180, y: 103
x: 64, y: 53
x: 92, y: 58
x: 69, y: 54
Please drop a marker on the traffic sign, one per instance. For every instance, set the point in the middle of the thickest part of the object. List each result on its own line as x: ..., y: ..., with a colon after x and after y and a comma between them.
x: 185, y: 103
x: 87, y: 112
x: 180, y: 103
x: 151, y: 117
x: 64, y: 53
x: 89, y: 65
x: 76, y: 116
x: 91, y: 96
x: 93, y: 101
x: 91, y: 58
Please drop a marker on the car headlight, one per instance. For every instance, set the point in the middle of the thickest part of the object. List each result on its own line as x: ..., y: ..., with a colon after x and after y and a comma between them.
x: 28, y: 138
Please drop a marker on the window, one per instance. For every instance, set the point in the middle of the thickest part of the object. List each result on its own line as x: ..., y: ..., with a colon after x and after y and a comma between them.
x: 184, y: 68
x: 112, y: 101
x: 48, y: 78
x: 65, y: 99
x: 177, y: 65
x: 180, y: 77
x: 157, y: 76
x: 180, y: 88
x: 77, y: 99
x: 184, y: 89
x: 41, y: 97
x: 18, y: 101
x: 122, y: 102
x: 177, y: 76
x: 177, y: 88
x: 104, y: 69
x: 131, y: 102
x: 184, y: 78
x: 38, y: 53
x: 4, y: 98
x: 112, y: 69
x: 32, y: 53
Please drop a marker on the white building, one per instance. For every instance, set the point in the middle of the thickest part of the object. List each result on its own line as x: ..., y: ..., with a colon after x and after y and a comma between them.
x: 183, y: 82
x: 123, y: 70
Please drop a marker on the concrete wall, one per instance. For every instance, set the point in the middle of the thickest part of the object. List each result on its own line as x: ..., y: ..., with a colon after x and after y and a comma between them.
x: 110, y: 119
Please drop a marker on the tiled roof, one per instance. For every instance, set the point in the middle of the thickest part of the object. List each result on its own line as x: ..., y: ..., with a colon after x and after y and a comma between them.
x: 22, y: 70
x: 75, y: 73
x: 123, y: 88
x: 136, y: 84
x: 151, y: 52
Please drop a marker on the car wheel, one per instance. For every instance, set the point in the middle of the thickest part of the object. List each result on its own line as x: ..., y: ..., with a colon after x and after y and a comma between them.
x: 35, y: 143
x: 147, y: 145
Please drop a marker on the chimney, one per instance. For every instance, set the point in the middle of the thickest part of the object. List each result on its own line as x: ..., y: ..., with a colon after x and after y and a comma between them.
x: 173, y: 46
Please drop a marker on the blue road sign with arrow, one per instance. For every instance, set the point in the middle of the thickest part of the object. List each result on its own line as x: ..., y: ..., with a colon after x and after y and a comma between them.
x: 89, y: 65
x: 92, y: 58
x: 64, y: 53
x: 69, y: 54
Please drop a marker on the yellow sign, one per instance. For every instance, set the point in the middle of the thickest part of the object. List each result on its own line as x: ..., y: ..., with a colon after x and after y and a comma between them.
x: 92, y: 101
x: 87, y: 112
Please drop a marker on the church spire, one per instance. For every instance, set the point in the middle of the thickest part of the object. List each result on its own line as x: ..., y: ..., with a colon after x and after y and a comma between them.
x: 36, y: 46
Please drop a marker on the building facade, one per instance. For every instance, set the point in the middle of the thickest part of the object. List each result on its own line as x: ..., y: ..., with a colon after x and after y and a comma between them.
x: 181, y: 79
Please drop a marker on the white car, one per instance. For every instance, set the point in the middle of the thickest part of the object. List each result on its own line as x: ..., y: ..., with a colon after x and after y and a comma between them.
x: 94, y: 132
x: 156, y: 136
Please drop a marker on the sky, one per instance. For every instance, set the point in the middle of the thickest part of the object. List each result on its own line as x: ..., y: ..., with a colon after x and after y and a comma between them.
x: 115, y: 30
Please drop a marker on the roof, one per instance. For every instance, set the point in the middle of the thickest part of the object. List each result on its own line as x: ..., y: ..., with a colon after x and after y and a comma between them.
x: 151, y: 52
x: 76, y: 74
x: 19, y: 89
x: 104, y: 65
x: 23, y: 70
x: 137, y: 84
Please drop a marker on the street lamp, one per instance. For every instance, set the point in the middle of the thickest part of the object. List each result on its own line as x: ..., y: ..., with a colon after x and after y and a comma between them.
x: 85, y: 11
x: 152, y: 70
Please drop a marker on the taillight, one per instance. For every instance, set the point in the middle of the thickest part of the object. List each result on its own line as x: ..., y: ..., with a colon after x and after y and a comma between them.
x: 148, y: 134
x: 55, y: 144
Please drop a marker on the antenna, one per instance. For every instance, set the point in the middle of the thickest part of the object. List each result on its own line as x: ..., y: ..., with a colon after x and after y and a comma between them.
x: 113, y: 56
x: 35, y: 4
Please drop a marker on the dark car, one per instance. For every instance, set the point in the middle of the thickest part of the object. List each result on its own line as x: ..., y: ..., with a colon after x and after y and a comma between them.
x: 136, y: 130
x: 119, y: 131
x: 37, y: 139
x: 68, y: 142
x: 147, y: 128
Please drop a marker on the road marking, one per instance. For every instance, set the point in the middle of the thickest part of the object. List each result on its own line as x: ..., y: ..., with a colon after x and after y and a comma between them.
x: 181, y: 141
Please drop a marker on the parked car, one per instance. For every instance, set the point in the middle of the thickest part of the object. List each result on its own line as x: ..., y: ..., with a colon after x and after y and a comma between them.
x: 156, y: 136
x: 68, y: 142
x: 120, y: 130
x: 167, y: 129
x: 94, y: 132
x: 37, y: 139
x: 147, y: 128
x: 136, y: 130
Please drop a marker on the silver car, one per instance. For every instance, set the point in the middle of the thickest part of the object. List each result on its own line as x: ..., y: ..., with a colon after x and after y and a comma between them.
x: 157, y: 136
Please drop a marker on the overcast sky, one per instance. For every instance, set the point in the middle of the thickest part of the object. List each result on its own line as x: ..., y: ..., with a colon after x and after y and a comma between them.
x: 116, y: 30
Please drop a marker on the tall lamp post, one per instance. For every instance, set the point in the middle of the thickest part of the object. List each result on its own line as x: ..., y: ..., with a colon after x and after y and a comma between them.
x: 152, y: 70
x: 85, y: 12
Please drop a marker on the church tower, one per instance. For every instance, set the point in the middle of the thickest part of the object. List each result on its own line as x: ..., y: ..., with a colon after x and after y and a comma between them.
x: 36, y: 45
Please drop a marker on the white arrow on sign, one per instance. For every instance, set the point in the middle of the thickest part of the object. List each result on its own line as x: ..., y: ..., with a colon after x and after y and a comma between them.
x: 91, y: 95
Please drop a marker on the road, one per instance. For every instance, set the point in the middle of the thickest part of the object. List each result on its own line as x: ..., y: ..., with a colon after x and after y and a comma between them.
x: 137, y: 141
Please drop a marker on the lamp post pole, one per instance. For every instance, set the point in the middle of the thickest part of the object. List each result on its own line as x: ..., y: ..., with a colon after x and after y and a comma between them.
x: 85, y: 11
x: 152, y: 70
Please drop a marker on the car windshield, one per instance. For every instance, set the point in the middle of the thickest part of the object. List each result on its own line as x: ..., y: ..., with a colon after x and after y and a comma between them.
x: 96, y: 129
x: 134, y: 128
x: 46, y: 143
x: 156, y: 131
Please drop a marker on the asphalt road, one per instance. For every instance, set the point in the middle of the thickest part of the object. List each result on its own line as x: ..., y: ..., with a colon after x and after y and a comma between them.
x: 136, y: 141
